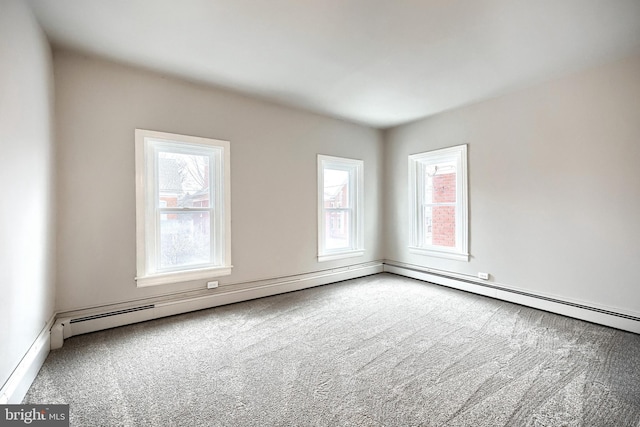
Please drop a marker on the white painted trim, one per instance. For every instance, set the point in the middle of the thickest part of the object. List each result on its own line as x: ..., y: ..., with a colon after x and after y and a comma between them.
x: 613, y: 317
x: 356, y: 183
x: 182, y: 276
x: 20, y: 380
x: 207, y: 298
x: 148, y: 273
x: 439, y: 254
x: 16, y: 387
x: 340, y: 255
x: 457, y: 154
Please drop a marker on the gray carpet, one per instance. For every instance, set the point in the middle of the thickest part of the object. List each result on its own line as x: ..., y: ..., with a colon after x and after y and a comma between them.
x: 376, y: 351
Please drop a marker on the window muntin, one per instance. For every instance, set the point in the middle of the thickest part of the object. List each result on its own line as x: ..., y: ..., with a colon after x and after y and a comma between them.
x: 340, y: 201
x: 182, y: 198
x: 438, y: 203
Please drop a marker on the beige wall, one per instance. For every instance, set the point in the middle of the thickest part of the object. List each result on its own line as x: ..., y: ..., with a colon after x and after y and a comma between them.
x: 553, y: 173
x: 554, y: 186
x: 273, y: 176
x: 26, y: 172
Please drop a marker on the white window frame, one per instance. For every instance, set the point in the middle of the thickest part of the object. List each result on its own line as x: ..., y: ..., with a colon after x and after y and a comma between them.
x: 417, y: 168
x: 356, y: 203
x: 147, y: 144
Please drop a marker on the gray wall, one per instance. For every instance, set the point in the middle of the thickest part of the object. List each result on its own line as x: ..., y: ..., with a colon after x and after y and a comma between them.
x: 26, y: 170
x: 554, y: 186
x: 273, y: 176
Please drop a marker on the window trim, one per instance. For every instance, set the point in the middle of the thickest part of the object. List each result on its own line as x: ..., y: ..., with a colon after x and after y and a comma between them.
x: 458, y: 154
x: 143, y: 141
x: 356, y: 184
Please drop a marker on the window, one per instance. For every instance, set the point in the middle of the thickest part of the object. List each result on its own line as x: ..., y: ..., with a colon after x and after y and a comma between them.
x: 438, y: 203
x: 340, y: 205
x: 183, y: 223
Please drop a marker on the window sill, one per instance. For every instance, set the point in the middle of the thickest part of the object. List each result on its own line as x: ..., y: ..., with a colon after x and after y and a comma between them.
x: 458, y: 256
x: 182, y: 276
x: 340, y: 255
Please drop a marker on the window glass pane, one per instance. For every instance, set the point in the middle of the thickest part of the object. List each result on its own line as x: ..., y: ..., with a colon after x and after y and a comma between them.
x: 427, y: 225
x: 443, y: 226
x: 185, y: 239
x: 183, y: 180
x: 336, y: 188
x: 337, y: 228
x: 440, y: 183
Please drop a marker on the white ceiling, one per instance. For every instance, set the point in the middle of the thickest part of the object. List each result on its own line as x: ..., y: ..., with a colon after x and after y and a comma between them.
x: 377, y: 62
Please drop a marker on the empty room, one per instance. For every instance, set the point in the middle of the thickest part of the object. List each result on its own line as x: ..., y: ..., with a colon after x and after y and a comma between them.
x: 320, y: 213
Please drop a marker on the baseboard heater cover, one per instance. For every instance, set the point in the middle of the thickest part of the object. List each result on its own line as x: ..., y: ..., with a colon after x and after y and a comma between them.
x: 76, y: 323
x: 619, y: 320
x: 112, y: 313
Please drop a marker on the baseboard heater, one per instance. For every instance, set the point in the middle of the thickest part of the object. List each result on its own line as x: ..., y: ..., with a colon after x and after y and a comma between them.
x: 69, y: 324
x: 608, y: 317
x: 112, y: 313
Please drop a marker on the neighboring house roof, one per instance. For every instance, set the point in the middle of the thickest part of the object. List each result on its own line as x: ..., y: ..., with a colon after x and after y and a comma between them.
x: 188, y: 199
x: 333, y: 190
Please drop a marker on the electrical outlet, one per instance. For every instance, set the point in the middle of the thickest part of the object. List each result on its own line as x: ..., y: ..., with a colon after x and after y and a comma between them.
x: 483, y: 276
x: 212, y: 285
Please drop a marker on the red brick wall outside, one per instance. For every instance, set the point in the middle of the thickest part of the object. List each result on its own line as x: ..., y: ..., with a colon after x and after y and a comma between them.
x: 340, y: 201
x: 444, y: 217
x: 172, y: 202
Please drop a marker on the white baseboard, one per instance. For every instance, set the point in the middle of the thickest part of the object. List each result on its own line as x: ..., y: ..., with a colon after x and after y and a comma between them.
x: 65, y: 325
x: 607, y: 317
x: 21, y: 378
x: 91, y: 320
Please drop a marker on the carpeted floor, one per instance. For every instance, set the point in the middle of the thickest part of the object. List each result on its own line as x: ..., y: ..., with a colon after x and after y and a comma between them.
x: 376, y: 351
